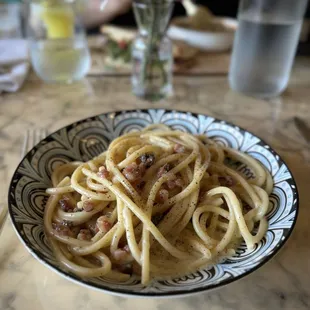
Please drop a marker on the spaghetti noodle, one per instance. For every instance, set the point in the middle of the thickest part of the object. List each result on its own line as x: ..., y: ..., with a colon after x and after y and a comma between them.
x: 157, y: 203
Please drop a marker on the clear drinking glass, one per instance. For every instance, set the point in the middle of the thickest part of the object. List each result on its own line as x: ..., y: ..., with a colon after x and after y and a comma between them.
x: 265, y: 46
x: 58, y: 44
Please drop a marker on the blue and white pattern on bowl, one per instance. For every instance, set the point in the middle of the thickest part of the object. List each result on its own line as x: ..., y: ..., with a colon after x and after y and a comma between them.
x: 27, y: 195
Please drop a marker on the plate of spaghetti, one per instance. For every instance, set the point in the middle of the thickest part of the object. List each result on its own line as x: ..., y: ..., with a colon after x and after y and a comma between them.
x: 153, y: 202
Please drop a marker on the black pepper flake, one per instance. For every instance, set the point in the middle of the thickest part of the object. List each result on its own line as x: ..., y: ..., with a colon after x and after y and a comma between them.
x: 147, y: 159
x: 141, y: 185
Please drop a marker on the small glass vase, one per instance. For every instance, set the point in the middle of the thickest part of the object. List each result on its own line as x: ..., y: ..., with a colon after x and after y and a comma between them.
x: 152, y: 50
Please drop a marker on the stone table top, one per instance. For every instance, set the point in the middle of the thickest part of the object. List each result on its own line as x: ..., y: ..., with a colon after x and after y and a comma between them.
x: 283, y: 283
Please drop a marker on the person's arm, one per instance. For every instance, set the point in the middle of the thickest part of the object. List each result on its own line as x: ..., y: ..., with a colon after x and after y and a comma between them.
x: 94, y: 17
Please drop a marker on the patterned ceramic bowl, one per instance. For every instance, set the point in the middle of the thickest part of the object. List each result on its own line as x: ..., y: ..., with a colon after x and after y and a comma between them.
x: 27, y: 195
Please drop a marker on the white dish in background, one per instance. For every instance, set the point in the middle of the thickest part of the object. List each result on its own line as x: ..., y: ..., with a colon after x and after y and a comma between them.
x: 211, y: 41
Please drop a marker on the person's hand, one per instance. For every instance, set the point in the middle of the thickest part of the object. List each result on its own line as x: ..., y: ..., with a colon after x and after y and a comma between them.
x: 117, y: 7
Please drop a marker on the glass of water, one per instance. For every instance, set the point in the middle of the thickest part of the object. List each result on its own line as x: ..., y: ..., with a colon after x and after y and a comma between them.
x: 58, y: 44
x: 265, y: 46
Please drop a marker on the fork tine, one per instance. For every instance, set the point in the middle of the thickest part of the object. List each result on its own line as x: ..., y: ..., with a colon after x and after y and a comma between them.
x: 33, y: 139
x: 25, y: 143
x: 37, y: 136
x: 44, y: 133
x: 40, y: 134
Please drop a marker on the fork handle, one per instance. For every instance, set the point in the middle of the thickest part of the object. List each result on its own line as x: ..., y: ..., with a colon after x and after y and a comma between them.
x: 3, y: 216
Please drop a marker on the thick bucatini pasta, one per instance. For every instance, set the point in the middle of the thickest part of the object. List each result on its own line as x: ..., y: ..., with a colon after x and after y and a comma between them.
x: 158, y: 203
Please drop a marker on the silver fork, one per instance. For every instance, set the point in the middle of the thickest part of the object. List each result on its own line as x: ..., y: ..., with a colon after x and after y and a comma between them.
x: 31, y: 138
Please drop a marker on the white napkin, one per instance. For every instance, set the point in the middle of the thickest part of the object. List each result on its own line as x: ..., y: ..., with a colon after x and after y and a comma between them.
x: 14, y: 64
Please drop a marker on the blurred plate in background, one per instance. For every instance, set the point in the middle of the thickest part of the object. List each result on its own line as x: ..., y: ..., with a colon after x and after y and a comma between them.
x: 218, y: 38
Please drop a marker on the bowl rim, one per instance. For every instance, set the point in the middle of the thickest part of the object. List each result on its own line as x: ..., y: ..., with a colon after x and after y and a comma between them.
x: 170, y: 294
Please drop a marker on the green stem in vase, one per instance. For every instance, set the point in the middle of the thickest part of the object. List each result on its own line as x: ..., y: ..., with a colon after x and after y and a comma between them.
x: 151, y: 47
x: 152, y: 18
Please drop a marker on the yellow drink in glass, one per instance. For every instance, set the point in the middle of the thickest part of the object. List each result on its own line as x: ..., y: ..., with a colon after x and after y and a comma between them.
x: 61, y: 54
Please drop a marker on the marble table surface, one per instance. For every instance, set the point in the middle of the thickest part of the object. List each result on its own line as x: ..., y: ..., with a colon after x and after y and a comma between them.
x: 283, y: 283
